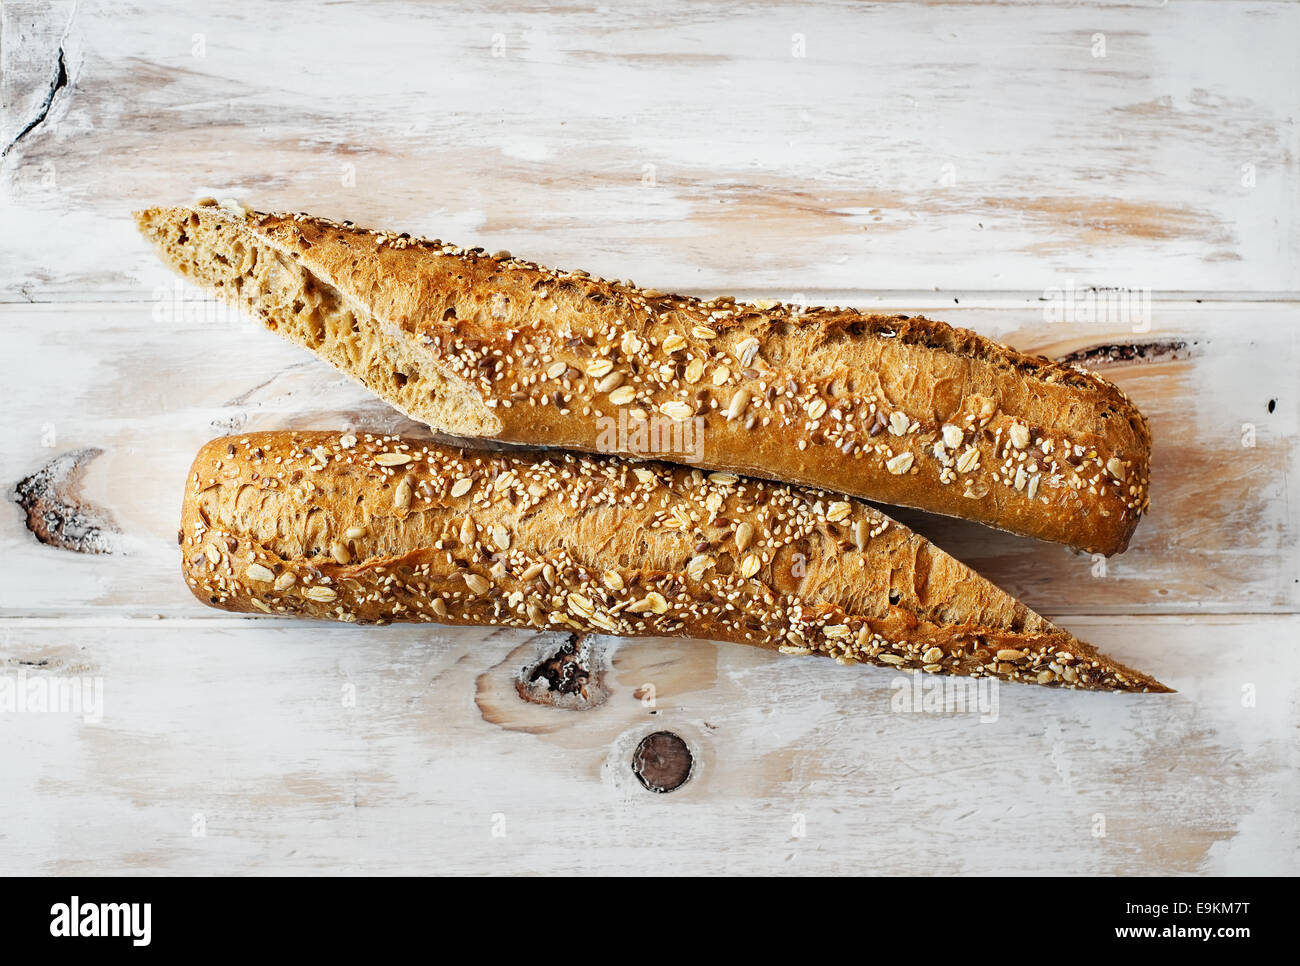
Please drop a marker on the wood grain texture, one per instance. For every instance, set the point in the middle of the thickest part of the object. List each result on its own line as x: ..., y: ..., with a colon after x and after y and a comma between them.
x: 970, y: 161
x: 310, y: 748
x: 755, y: 145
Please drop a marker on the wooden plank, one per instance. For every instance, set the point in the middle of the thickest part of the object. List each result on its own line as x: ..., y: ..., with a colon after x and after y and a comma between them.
x: 308, y: 748
x: 895, y: 146
x: 118, y: 377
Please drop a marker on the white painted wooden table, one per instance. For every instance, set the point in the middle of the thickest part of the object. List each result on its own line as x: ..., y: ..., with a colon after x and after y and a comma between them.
x: 973, y: 162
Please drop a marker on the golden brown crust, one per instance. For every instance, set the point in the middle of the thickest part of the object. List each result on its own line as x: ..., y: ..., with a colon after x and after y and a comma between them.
x: 377, y: 529
x: 898, y: 410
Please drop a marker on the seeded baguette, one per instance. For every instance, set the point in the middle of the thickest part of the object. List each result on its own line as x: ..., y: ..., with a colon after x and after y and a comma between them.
x: 374, y: 529
x: 893, y: 409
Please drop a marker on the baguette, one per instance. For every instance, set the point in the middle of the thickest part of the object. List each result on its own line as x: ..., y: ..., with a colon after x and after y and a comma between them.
x: 893, y: 409
x: 375, y: 529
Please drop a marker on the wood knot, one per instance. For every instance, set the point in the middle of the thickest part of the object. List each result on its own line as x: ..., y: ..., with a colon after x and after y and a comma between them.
x: 662, y: 762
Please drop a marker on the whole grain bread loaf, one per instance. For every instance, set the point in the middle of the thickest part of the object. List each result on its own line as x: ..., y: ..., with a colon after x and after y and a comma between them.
x: 893, y: 409
x: 376, y: 529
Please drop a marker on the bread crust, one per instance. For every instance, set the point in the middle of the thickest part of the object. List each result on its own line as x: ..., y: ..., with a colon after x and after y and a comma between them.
x: 899, y: 410
x: 375, y: 529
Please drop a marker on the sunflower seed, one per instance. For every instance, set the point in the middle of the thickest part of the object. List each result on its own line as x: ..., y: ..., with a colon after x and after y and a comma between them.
x: 393, y: 459
x: 1115, y: 467
x: 749, y: 566
x: 1019, y: 435
x: 438, y: 607
x: 501, y: 537
x: 462, y: 486
x: 339, y: 551
x: 738, y: 403
x: 285, y: 581
x: 1010, y: 654
x: 613, y: 580
x: 694, y: 370
x: 610, y: 382
x: 355, y: 533
x: 477, y: 583
x: 402, y: 495
x: 467, y: 531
